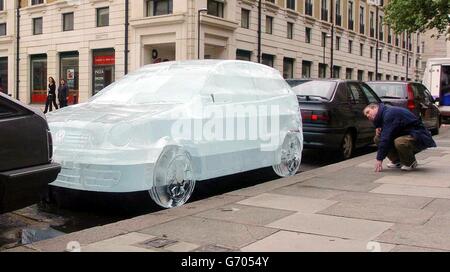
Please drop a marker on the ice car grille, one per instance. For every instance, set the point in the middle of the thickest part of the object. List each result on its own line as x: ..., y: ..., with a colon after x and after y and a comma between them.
x: 77, y: 140
x: 89, y: 175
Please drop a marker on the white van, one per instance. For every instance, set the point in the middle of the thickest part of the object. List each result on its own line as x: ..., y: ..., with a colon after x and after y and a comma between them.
x: 437, y: 79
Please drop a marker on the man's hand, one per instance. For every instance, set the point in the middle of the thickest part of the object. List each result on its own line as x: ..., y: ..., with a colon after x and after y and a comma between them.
x: 378, y: 132
x: 379, y: 166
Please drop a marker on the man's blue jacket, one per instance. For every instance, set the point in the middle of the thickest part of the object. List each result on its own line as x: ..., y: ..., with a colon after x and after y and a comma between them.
x: 395, y: 122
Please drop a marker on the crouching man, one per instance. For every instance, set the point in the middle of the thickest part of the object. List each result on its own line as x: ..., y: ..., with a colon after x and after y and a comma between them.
x: 399, y: 136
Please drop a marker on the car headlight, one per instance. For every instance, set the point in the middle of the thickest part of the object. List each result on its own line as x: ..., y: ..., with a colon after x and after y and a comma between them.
x: 120, y: 135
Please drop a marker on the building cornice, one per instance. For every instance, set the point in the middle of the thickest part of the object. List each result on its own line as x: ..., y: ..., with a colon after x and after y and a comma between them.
x: 158, y: 20
x: 219, y: 22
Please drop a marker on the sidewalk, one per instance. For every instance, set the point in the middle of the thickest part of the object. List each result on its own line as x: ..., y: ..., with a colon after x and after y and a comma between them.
x: 340, y: 207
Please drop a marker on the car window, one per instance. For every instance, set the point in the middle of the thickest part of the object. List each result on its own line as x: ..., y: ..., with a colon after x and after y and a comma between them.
x: 315, y: 88
x: 369, y: 94
x: 424, y: 95
x: 388, y: 90
x: 358, y: 95
x: 418, y: 94
x: 6, y: 109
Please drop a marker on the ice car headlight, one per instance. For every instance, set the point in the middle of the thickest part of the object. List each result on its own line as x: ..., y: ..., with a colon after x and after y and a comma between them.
x: 120, y: 135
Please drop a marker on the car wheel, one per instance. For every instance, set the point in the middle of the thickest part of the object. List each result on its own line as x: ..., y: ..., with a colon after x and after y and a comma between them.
x: 435, y: 131
x: 347, y: 146
x: 173, y: 178
x: 290, y: 156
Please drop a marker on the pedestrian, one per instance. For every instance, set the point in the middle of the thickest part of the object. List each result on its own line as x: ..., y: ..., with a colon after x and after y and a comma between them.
x: 399, y: 136
x: 63, y: 93
x: 51, y: 95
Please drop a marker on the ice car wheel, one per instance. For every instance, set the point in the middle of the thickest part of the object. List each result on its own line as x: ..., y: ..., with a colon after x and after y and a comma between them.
x: 290, y: 157
x: 173, y: 179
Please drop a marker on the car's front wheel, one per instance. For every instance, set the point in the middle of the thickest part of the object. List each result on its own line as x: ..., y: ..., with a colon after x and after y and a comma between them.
x: 347, y: 146
x: 290, y: 155
x: 173, y: 178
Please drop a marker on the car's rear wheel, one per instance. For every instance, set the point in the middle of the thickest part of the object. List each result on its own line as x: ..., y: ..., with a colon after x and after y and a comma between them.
x: 435, y: 131
x: 173, y: 178
x: 347, y: 146
x: 290, y: 156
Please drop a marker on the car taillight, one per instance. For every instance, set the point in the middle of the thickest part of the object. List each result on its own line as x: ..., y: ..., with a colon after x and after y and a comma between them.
x: 411, y: 105
x: 50, y: 145
x: 315, y: 116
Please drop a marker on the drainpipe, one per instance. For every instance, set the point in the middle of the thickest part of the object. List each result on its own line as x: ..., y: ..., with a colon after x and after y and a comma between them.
x: 17, y: 50
x: 127, y: 10
x: 259, y: 30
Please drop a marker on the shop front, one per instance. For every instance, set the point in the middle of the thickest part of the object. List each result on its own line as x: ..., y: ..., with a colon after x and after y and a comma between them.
x: 69, y: 71
x: 38, y: 79
x: 103, y: 69
x: 4, y: 75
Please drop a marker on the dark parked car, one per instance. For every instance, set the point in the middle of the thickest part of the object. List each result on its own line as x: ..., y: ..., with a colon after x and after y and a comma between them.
x: 332, y: 112
x: 26, y: 165
x: 413, y: 96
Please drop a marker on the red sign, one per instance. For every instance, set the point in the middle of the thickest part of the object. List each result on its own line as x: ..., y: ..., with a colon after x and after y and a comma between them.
x: 104, y: 60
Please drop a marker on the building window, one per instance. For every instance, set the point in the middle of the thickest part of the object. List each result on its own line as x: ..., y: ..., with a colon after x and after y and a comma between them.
x: 103, y: 17
x: 245, y: 18
x: 336, y: 72
x: 267, y: 60
x: 243, y: 55
x: 350, y: 46
x: 3, y: 29
x: 306, y: 69
x: 322, y: 70
x: 290, y: 31
x: 403, y: 60
x: 361, y: 49
x: 307, y: 35
x: 2, y: 4
x: 290, y: 4
x: 103, y: 65
x: 348, y: 73
x: 380, y: 56
x: 324, y: 39
x: 388, y: 77
x: 4, y: 75
x: 370, y: 76
x: 38, y: 78
x: 338, y: 43
x: 360, y: 75
x: 361, y: 20
x: 68, y: 21
x: 396, y: 58
x: 350, y: 15
x: 380, y: 28
x: 37, y: 2
x: 159, y: 7
x: 389, y: 57
x: 324, y: 10
x: 269, y: 24
x: 288, y: 68
x: 69, y: 71
x: 37, y: 26
x: 215, y: 8
x: 308, y: 7
x: 371, y: 52
x: 371, y: 24
x: 338, y: 17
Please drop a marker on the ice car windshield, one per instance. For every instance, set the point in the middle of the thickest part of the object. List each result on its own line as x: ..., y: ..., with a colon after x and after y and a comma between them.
x: 175, y: 83
x: 315, y: 88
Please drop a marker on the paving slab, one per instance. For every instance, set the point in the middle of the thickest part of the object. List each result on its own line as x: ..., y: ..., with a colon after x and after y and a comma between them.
x: 420, y: 236
x: 409, y: 190
x: 202, y: 231
x: 358, y: 229
x: 409, y: 202
x: 285, y: 241
x: 355, y: 185
x: 182, y: 247
x: 403, y: 248
x: 289, y: 203
x: 379, y: 213
x: 309, y: 192
x: 245, y: 214
x: 440, y: 220
x: 122, y: 243
x: 417, y: 180
x: 438, y: 206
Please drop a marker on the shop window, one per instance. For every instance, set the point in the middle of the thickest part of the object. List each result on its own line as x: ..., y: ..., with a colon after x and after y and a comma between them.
x: 38, y: 78
x: 69, y: 71
x: 268, y: 59
x: 243, y: 55
x: 288, y: 68
x: 306, y: 69
x: 103, y: 69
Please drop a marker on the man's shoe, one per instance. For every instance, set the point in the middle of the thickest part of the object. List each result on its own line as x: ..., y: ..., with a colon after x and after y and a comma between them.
x: 409, y: 168
x: 394, y: 165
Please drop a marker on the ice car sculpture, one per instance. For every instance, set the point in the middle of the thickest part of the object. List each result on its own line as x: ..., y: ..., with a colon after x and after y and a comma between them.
x: 165, y: 126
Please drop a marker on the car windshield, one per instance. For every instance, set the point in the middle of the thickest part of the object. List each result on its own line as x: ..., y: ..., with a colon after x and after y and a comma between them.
x: 162, y: 83
x: 388, y: 90
x: 315, y: 89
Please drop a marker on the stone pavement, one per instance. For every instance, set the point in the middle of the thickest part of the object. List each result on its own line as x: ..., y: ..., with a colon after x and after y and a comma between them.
x: 340, y: 207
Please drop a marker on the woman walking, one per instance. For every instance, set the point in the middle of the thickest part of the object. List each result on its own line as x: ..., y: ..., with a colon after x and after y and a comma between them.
x: 51, y: 95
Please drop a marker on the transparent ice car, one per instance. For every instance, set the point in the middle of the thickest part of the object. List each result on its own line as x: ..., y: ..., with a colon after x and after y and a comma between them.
x: 166, y: 126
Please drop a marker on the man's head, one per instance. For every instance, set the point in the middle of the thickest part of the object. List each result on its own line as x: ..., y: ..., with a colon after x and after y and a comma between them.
x: 371, y: 111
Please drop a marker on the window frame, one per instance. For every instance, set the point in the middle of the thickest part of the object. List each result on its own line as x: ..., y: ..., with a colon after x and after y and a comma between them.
x: 97, y: 14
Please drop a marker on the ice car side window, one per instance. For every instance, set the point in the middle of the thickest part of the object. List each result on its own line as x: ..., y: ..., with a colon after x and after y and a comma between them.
x: 268, y: 82
x: 159, y: 85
